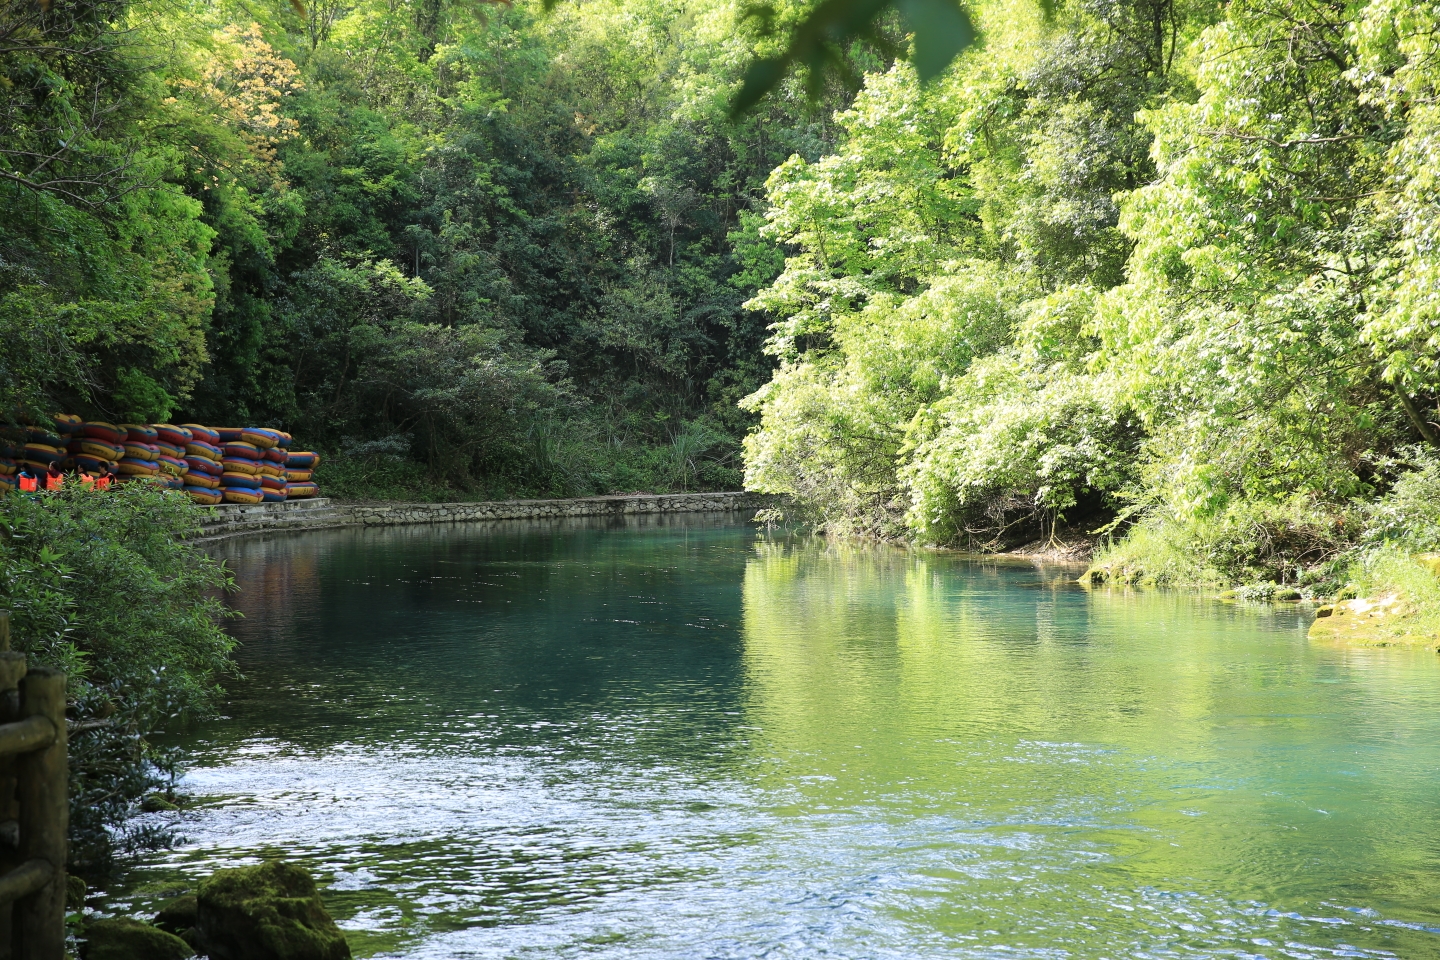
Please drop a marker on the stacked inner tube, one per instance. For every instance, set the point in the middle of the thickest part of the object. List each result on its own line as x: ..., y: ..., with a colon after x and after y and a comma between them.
x: 172, y: 441
x: 299, y: 473
x: 273, y: 483
x: 42, y: 448
x: 142, y: 452
x: 210, y: 464
x: 98, y: 447
x: 240, y: 463
x: 204, y: 460
x: 12, y: 449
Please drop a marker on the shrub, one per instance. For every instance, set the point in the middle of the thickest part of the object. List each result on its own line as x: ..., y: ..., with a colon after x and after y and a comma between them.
x: 104, y: 587
x: 1270, y: 542
x: 1408, y: 516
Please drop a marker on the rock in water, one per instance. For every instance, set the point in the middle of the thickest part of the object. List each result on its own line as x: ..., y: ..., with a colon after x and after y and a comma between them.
x: 74, y: 893
x: 122, y: 938
x: 156, y: 803
x: 177, y: 915
x: 268, y: 912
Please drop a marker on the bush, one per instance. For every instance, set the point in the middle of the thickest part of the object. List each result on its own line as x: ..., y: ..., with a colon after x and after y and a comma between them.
x: 1408, y: 516
x: 104, y: 587
x: 1294, y: 541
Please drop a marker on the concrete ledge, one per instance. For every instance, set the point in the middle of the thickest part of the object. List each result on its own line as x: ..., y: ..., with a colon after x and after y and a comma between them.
x: 231, y: 520
x: 384, y: 514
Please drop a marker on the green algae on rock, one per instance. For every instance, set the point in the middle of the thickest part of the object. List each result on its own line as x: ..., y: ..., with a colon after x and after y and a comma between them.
x: 123, y: 938
x: 178, y: 916
x: 1383, y: 621
x: 272, y: 911
x: 157, y: 803
x: 74, y: 892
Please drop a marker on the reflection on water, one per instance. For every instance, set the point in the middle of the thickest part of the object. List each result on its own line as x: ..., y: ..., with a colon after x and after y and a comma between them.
x: 669, y: 739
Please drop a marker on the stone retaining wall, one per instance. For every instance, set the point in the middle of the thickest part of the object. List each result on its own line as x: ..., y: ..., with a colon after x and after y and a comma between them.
x: 404, y: 513
x: 232, y: 520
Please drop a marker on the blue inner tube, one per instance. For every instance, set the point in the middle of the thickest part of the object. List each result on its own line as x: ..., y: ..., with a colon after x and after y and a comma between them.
x: 240, y: 480
x: 44, y: 456
x: 35, y: 435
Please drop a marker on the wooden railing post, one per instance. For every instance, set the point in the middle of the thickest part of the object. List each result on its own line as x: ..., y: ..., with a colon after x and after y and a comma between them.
x: 39, y: 920
x: 12, y: 668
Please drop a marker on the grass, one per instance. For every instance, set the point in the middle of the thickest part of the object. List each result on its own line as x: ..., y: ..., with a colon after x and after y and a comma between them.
x: 1151, y: 555
x: 1387, y: 570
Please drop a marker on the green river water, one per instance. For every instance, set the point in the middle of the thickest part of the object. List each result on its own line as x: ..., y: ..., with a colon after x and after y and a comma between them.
x: 673, y: 739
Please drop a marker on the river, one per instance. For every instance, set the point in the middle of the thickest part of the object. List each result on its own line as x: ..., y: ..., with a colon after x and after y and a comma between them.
x: 672, y: 739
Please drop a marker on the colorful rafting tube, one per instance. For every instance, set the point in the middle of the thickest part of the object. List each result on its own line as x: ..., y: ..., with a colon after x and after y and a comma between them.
x: 240, y: 465
x: 210, y: 464
x: 173, y: 435
x: 302, y: 460
x: 204, y: 495
x: 200, y: 448
x: 245, y: 480
x: 206, y: 465
x: 100, y: 430
x: 138, y: 468
x: 203, y: 434
x: 95, y: 447
x: 140, y: 432
x: 44, y: 453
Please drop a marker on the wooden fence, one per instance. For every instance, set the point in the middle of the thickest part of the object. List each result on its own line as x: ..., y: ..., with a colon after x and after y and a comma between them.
x: 34, y: 811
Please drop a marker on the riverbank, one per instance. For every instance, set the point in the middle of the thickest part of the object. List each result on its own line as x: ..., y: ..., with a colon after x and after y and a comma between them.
x: 236, y: 520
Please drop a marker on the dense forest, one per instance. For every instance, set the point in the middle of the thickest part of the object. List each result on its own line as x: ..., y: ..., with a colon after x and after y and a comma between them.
x: 474, y: 249
x: 1161, y: 271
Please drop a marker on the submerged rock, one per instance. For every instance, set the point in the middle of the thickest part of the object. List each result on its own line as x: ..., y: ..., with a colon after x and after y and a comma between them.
x: 156, y: 803
x: 121, y: 938
x: 268, y: 912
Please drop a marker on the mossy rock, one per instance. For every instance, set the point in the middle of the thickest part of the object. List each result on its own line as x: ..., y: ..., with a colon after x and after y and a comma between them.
x: 74, y: 892
x: 123, y: 938
x: 1373, y: 622
x: 268, y: 912
x: 178, y: 915
x: 156, y: 803
x: 1287, y: 594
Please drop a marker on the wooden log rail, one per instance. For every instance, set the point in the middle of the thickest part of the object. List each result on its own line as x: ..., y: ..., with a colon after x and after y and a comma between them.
x: 34, y: 810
